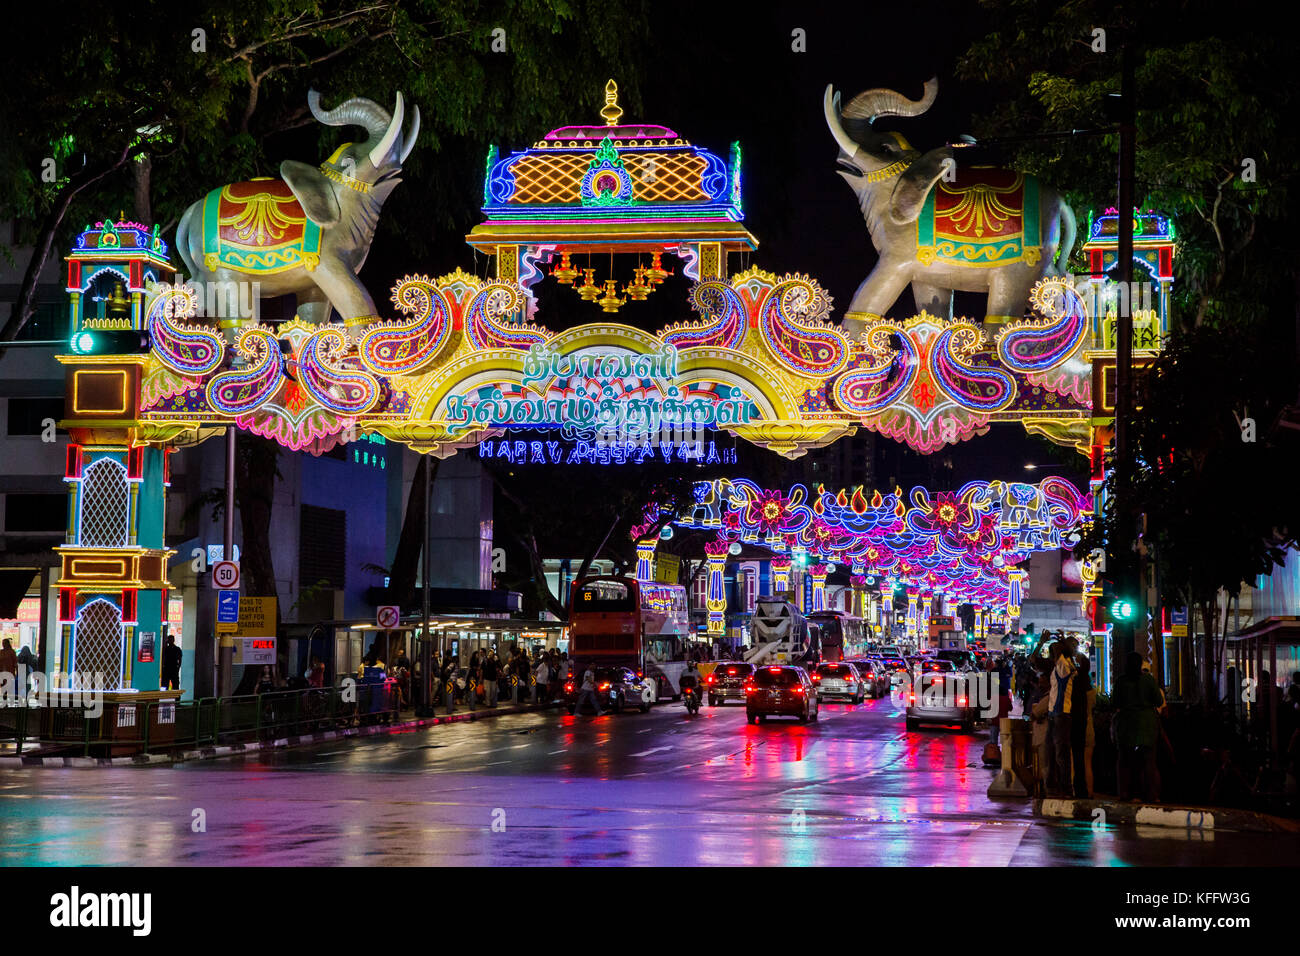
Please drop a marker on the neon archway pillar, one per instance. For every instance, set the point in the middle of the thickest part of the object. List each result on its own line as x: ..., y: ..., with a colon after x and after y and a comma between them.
x: 819, y: 587
x: 1015, y: 578
x: 716, y: 600
x: 780, y: 574
x: 923, y: 616
x: 981, y: 624
x: 913, y: 593
x: 645, y: 559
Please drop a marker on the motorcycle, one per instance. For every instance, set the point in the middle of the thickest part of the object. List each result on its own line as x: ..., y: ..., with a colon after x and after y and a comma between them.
x: 692, y: 697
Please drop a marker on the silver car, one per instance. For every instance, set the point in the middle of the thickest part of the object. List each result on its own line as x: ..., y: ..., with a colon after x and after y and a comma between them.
x: 840, y: 680
x: 940, y: 696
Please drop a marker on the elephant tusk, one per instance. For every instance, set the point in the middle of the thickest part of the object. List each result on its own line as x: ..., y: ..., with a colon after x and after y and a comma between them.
x: 408, y: 141
x: 833, y: 123
x: 390, y: 135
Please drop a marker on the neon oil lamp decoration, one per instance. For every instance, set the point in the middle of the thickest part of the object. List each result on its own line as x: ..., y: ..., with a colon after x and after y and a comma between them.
x: 589, y: 290
x: 610, y: 301
x: 564, y: 273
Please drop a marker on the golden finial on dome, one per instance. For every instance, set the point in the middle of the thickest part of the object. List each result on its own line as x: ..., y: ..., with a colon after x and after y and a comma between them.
x: 611, y: 110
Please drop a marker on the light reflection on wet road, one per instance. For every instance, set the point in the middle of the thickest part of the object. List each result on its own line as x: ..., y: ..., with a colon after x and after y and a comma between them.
x: 659, y: 788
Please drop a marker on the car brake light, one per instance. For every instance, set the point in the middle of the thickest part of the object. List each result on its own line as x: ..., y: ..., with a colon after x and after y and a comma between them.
x: 774, y: 670
x: 710, y: 680
x: 605, y: 686
x: 731, y: 672
x: 798, y: 690
x: 817, y: 677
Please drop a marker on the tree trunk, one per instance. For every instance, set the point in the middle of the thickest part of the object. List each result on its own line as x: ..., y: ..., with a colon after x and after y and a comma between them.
x: 24, y: 306
x: 1208, y: 681
x: 141, y: 181
x: 410, y: 544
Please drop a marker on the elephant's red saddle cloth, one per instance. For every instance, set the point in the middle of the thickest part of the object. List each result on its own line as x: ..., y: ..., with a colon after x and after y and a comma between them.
x: 258, y: 227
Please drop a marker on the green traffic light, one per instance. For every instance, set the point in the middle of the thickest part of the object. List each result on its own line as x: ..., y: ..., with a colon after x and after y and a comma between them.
x: 1121, y: 610
x: 83, y: 343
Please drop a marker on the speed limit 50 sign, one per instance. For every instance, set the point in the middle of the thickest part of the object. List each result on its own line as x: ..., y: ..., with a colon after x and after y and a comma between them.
x: 225, y: 575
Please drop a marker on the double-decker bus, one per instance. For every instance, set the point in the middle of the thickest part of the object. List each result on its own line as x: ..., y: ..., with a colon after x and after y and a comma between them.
x: 839, y: 632
x: 643, y: 625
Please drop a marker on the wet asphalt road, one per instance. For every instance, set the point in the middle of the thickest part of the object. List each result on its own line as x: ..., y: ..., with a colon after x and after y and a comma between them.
x: 661, y: 788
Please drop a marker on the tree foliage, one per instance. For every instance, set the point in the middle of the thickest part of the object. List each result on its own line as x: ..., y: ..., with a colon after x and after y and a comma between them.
x: 1210, y: 95
x: 213, y: 92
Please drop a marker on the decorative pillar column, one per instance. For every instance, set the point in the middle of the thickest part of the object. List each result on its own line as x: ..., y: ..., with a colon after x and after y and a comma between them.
x: 1015, y: 579
x: 859, y: 583
x: 716, y: 600
x: 923, y: 616
x: 780, y: 575
x: 913, y: 594
x: 819, y: 587
x: 645, y: 559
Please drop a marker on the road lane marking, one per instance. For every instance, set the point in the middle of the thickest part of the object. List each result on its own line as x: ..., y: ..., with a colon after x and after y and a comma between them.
x: 655, y: 750
x: 554, y: 752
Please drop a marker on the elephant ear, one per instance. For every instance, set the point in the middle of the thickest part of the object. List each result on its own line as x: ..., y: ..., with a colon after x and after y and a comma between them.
x: 915, y: 184
x: 313, y: 191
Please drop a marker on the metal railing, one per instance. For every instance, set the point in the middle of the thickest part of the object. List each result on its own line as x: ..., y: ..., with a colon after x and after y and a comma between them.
x: 125, y: 728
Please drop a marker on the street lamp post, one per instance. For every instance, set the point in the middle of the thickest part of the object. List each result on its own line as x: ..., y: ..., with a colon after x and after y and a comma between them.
x: 1126, y: 523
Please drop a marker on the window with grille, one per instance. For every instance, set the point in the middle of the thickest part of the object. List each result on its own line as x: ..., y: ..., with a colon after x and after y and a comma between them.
x: 322, y: 547
x: 105, y: 504
x: 97, y: 645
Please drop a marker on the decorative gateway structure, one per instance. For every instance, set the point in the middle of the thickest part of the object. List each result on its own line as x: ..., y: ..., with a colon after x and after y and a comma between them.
x: 462, y: 362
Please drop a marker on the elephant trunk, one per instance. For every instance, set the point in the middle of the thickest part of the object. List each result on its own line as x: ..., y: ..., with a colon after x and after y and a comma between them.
x: 876, y: 103
x: 357, y: 111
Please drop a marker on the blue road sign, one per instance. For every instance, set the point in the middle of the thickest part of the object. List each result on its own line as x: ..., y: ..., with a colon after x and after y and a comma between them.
x: 227, y: 607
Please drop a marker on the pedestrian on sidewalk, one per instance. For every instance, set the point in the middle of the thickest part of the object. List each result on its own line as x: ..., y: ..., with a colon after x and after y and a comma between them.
x: 9, y: 664
x: 1136, y: 699
x: 588, y: 692
x: 556, y: 686
x: 490, y: 666
x: 543, y: 676
x: 449, y: 678
x: 1082, y: 739
x: 1038, y: 711
x: 171, y: 664
x: 1060, y: 706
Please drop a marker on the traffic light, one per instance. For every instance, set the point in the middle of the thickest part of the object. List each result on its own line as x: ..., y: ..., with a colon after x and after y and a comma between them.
x: 1121, y: 609
x: 110, y: 342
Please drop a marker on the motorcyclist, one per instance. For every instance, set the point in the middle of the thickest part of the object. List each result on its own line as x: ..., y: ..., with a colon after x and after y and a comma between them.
x: 691, y: 680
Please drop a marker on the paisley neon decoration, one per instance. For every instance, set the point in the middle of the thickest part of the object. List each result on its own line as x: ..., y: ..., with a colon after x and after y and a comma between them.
x: 483, y: 327
x: 868, y: 389
x: 239, y: 392
x: 186, y: 349
x: 1039, y: 345
x: 804, y: 346
x: 970, y: 386
x: 401, y: 347
x: 724, y: 318
x: 323, y: 376
x: 960, y: 543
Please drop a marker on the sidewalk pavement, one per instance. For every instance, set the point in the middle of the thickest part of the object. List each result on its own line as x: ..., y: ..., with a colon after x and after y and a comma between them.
x: 406, y: 722
x: 1115, y: 813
